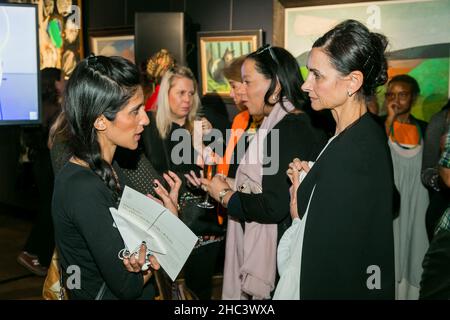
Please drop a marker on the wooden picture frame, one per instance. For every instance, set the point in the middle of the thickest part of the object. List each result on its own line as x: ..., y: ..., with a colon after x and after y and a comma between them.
x: 216, y: 49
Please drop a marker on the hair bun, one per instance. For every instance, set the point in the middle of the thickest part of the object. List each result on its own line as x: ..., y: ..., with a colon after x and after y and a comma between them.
x: 379, y: 44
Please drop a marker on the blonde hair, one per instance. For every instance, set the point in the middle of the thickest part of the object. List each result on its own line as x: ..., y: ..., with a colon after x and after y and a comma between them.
x: 164, y: 116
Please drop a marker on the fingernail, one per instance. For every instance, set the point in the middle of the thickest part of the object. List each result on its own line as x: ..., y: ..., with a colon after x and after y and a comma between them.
x: 155, y: 185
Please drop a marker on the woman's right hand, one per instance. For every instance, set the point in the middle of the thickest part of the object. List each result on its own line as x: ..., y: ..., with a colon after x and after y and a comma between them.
x: 293, y: 172
x: 391, y: 110
x: 135, y: 262
x: 295, y: 167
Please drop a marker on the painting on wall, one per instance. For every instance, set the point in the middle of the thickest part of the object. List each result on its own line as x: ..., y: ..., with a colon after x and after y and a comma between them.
x: 60, y: 33
x: 216, y: 50
x: 113, y: 42
x: 416, y: 46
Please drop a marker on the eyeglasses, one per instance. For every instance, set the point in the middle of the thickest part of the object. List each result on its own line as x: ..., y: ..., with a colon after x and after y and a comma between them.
x: 403, y: 95
x: 268, y: 47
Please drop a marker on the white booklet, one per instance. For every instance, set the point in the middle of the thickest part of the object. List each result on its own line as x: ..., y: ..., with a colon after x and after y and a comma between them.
x: 140, y: 218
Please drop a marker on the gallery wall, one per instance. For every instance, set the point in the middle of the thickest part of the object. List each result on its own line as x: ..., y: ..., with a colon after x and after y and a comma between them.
x: 205, y: 15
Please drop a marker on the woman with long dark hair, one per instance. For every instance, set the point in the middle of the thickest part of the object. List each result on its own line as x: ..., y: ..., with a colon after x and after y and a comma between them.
x: 258, y: 200
x: 103, y: 109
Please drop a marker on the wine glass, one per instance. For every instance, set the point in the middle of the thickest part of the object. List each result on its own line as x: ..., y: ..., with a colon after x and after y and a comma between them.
x: 209, y: 171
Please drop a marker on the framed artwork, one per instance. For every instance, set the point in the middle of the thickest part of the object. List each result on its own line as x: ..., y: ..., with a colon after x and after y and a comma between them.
x: 60, y: 33
x: 413, y: 48
x: 113, y: 42
x: 216, y: 50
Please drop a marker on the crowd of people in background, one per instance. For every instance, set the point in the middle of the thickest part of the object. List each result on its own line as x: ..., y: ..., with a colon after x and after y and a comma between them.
x: 358, y: 209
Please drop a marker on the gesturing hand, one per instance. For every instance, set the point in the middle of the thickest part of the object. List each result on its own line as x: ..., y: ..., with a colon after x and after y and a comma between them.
x: 293, y: 172
x: 174, y: 183
x: 166, y: 197
x: 193, y: 180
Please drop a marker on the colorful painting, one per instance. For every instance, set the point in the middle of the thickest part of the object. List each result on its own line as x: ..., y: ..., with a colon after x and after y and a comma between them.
x: 418, y: 33
x: 119, y: 45
x: 217, y: 49
x: 60, y: 33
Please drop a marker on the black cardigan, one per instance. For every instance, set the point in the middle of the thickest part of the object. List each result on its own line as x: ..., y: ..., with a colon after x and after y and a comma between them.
x: 86, y: 237
x: 158, y: 150
x: 349, y: 223
x: 297, y: 138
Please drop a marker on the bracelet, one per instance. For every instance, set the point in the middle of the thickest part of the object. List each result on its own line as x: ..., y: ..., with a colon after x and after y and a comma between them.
x: 434, y: 182
x: 222, y: 195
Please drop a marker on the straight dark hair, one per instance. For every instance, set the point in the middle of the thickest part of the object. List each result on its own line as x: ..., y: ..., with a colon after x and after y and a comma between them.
x: 98, y: 86
x: 277, y: 63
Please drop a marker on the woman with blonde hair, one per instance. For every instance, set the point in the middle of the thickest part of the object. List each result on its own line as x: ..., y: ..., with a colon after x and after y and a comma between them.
x: 178, y: 104
x: 157, y: 65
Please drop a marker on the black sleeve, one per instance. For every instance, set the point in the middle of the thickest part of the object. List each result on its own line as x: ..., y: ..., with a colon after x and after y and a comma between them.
x: 234, y: 207
x: 90, y: 204
x: 349, y: 226
x: 153, y: 145
x: 296, y: 140
x: 431, y: 152
x: 435, y: 283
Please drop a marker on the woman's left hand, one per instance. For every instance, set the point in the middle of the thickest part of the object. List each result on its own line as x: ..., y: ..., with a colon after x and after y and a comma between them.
x: 175, y: 183
x: 215, y: 185
x: 165, y: 197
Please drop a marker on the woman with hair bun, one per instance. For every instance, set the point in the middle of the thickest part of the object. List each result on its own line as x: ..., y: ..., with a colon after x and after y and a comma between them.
x: 340, y: 244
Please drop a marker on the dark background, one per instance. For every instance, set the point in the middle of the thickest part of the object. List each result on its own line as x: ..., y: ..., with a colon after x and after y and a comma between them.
x: 202, y: 15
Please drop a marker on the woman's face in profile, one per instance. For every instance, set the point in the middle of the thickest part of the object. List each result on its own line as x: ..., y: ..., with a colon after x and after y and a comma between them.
x: 125, y: 130
x: 325, y: 86
x: 181, y: 97
x: 254, y: 88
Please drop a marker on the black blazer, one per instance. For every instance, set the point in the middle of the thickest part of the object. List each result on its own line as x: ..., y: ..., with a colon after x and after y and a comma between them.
x: 349, y: 224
